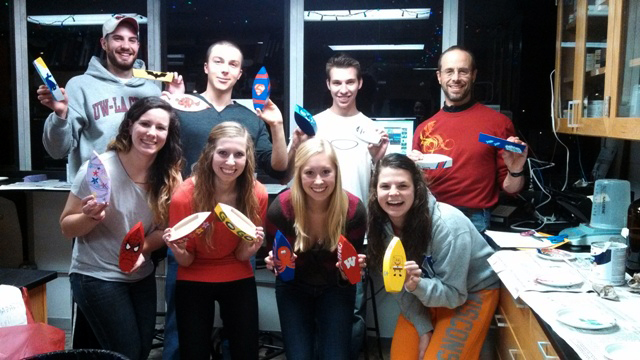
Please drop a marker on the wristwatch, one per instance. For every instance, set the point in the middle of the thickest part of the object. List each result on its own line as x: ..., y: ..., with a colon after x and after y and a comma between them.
x: 516, y: 174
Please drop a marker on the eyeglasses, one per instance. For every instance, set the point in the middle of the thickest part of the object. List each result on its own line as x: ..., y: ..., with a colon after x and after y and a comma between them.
x: 463, y: 72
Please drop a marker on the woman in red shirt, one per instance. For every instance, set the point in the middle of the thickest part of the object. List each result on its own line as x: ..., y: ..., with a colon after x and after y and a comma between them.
x: 216, y: 267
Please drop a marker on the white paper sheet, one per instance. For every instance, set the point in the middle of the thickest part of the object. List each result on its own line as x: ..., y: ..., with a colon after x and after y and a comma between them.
x: 52, y: 185
x: 515, y: 240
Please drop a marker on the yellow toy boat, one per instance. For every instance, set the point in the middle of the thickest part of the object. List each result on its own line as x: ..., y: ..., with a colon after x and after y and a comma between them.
x: 393, y: 271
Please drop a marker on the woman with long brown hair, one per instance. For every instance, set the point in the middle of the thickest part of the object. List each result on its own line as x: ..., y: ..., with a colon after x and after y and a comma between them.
x: 143, y: 163
x: 216, y: 267
x: 450, y: 287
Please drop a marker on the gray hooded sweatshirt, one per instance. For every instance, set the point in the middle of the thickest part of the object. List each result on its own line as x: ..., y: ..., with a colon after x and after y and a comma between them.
x: 97, y: 103
x: 459, y: 256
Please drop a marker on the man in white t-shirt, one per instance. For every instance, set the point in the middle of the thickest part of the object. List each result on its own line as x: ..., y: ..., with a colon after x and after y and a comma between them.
x: 356, y: 157
x: 338, y: 125
x: 339, y: 122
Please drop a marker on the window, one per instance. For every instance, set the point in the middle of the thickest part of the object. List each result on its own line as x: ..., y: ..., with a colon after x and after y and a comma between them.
x: 396, y: 83
x: 8, y: 140
x: 66, y: 49
x: 257, y: 27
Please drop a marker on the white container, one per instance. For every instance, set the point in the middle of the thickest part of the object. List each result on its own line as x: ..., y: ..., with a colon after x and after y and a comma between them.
x: 611, y: 199
x: 590, y: 62
x: 634, y: 110
x: 595, y: 108
x: 597, y: 58
x: 608, y: 261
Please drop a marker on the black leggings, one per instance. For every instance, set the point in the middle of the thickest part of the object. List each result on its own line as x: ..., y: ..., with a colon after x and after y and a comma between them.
x: 195, y: 313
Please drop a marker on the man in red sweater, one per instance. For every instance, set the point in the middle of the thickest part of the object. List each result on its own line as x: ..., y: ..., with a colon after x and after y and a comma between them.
x: 479, y: 171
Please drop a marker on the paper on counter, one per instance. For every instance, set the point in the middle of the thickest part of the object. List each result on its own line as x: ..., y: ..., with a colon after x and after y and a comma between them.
x: 52, y: 184
x: 518, y: 270
x: 515, y: 240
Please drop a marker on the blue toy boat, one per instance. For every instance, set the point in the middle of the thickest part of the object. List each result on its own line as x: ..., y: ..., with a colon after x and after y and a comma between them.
x: 283, y: 261
x: 305, y: 121
x: 261, y: 89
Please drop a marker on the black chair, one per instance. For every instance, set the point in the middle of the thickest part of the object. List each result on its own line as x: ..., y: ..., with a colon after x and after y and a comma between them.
x: 269, y: 340
x: 273, y: 348
x: 158, y: 334
x: 80, y: 354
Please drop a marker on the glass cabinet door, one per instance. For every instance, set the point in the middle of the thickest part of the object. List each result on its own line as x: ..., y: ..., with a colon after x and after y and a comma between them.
x: 628, y: 104
x: 595, y: 67
x: 565, y: 70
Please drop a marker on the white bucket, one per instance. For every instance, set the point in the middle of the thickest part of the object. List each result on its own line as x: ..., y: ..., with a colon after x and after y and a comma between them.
x: 608, y: 266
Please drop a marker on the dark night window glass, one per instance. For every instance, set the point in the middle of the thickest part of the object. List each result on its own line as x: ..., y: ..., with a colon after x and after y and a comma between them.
x: 396, y: 83
x: 257, y: 27
x: 67, y: 50
x: 8, y: 138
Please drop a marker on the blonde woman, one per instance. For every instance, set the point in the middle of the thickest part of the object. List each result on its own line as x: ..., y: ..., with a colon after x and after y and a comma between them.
x: 144, y: 163
x: 316, y: 307
x: 216, y: 267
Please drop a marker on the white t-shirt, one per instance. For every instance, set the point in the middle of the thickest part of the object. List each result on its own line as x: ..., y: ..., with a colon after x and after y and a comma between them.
x: 353, y: 153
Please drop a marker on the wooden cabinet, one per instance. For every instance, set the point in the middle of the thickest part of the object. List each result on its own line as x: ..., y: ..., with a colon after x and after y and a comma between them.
x: 597, y: 77
x: 519, y: 334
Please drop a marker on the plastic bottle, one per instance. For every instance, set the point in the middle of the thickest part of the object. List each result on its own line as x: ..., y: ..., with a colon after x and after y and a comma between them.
x: 633, y: 249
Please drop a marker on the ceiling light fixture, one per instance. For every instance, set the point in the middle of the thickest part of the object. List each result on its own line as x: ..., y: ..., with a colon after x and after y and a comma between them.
x: 372, y: 14
x: 78, y: 20
x: 377, y: 47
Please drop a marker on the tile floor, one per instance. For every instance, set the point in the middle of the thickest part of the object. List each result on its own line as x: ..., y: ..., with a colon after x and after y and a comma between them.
x: 156, y: 354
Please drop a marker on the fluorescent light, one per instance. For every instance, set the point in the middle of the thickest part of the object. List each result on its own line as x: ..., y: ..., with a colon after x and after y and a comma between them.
x: 571, y: 44
x: 377, y: 47
x: 73, y: 20
x: 363, y: 15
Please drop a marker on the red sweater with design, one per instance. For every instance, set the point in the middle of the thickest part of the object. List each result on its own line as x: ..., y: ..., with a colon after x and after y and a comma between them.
x: 478, y: 171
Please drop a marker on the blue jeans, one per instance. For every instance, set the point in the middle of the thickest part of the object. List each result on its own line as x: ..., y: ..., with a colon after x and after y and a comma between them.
x: 481, y: 218
x: 122, y: 315
x: 316, y: 322
x: 170, y: 350
x: 359, y: 329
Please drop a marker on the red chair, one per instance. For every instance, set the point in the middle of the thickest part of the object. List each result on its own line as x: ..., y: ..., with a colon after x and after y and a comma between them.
x: 20, y: 341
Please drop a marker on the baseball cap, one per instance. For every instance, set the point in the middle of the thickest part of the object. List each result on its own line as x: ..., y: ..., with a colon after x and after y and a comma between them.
x: 110, y: 25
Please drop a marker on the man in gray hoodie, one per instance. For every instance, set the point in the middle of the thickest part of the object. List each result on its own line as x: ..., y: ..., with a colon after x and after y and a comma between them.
x: 94, y: 106
x: 95, y: 102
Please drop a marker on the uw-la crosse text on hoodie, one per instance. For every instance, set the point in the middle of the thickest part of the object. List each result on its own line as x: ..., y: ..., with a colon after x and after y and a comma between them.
x: 97, y: 103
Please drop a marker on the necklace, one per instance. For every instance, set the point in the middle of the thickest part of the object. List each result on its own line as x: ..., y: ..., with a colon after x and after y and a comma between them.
x: 126, y: 171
